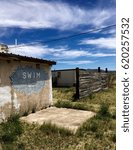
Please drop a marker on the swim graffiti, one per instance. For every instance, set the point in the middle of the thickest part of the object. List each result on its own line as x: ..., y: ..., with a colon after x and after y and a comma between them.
x: 29, y: 75
x: 28, y: 79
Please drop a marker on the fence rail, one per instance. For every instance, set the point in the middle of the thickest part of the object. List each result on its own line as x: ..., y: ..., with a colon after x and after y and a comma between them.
x: 88, y: 82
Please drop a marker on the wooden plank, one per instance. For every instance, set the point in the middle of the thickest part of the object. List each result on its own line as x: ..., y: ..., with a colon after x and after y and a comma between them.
x: 89, y: 88
x: 85, y: 94
x: 88, y: 75
x: 90, y: 82
x: 92, y: 73
x: 94, y: 82
x: 92, y: 79
x: 98, y: 89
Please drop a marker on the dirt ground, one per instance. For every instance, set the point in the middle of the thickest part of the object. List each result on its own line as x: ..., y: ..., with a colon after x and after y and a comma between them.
x: 68, y: 118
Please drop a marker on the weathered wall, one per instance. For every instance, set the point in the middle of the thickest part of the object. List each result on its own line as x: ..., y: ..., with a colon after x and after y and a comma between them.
x: 24, y: 87
x: 65, y: 78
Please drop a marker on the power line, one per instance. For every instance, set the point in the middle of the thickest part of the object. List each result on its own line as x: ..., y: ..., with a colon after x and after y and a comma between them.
x: 67, y: 37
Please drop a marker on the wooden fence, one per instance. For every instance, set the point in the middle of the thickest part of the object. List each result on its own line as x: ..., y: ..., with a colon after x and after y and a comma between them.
x: 88, y: 82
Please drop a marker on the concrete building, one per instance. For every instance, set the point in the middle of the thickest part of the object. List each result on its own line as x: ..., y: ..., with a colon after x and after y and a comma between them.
x: 25, y: 84
x: 64, y: 78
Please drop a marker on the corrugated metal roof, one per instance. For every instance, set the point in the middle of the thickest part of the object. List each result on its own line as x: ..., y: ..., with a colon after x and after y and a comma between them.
x: 25, y: 58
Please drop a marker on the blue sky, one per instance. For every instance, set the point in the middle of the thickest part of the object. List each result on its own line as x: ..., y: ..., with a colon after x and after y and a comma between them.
x: 34, y: 22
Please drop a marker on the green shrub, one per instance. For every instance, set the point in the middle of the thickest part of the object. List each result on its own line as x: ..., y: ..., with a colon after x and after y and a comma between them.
x: 104, y: 111
x: 114, y: 137
x: 93, y: 126
x: 10, y: 129
x: 63, y: 104
x: 80, y: 106
x: 69, y: 104
x: 99, y: 134
x: 91, y: 96
x: 90, y: 146
x: 114, y: 115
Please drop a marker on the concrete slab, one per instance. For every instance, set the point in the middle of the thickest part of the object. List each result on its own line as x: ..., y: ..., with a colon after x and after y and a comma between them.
x: 63, y: 117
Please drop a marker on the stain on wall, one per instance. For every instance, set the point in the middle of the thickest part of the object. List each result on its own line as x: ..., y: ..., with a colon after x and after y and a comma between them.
x: 5, y: 95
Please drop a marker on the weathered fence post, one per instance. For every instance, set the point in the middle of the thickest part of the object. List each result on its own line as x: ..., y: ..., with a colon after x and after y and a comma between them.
x: 99, y: 70
x: 106, y: 70
x: 77, y: 83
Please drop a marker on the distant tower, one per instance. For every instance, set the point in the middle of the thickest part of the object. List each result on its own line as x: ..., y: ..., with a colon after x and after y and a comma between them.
x: 3, y: 48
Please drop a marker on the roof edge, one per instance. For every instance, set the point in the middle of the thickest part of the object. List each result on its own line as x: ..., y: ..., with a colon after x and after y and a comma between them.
x: 26, y: 58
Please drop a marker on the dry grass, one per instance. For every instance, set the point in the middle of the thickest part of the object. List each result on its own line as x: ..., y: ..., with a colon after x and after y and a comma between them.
x: 97, y: 133
x: 91, y: 102
x: 63, y: 93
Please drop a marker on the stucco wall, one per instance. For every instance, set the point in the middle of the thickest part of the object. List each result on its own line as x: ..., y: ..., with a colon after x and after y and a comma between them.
x: 24, y: 87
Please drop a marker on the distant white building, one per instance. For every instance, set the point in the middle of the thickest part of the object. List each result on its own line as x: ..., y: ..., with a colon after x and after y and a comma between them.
x: 3, y: 48
x: 66, y: 78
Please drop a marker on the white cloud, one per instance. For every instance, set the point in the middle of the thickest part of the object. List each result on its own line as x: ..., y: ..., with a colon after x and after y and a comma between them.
x: 79, y: 62
x: 102, y: 55
x: 71, y: 53
x: 108, y: 43
x: 32, y: 51
x: 41, y: 51
x: 44, y: 14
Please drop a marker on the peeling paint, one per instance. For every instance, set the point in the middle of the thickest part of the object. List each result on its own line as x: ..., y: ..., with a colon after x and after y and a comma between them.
x: 16, y: 104
x: 29, y: 89
x: 5, y: 95
x: 2, y: 116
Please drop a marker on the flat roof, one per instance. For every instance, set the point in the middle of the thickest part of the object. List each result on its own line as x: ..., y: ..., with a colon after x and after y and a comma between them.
x: 66, y: 70
x: 25, y: 58
x: 91, y: 70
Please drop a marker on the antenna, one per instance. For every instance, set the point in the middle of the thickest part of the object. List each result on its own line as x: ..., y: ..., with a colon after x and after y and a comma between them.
x: 16, y: 42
